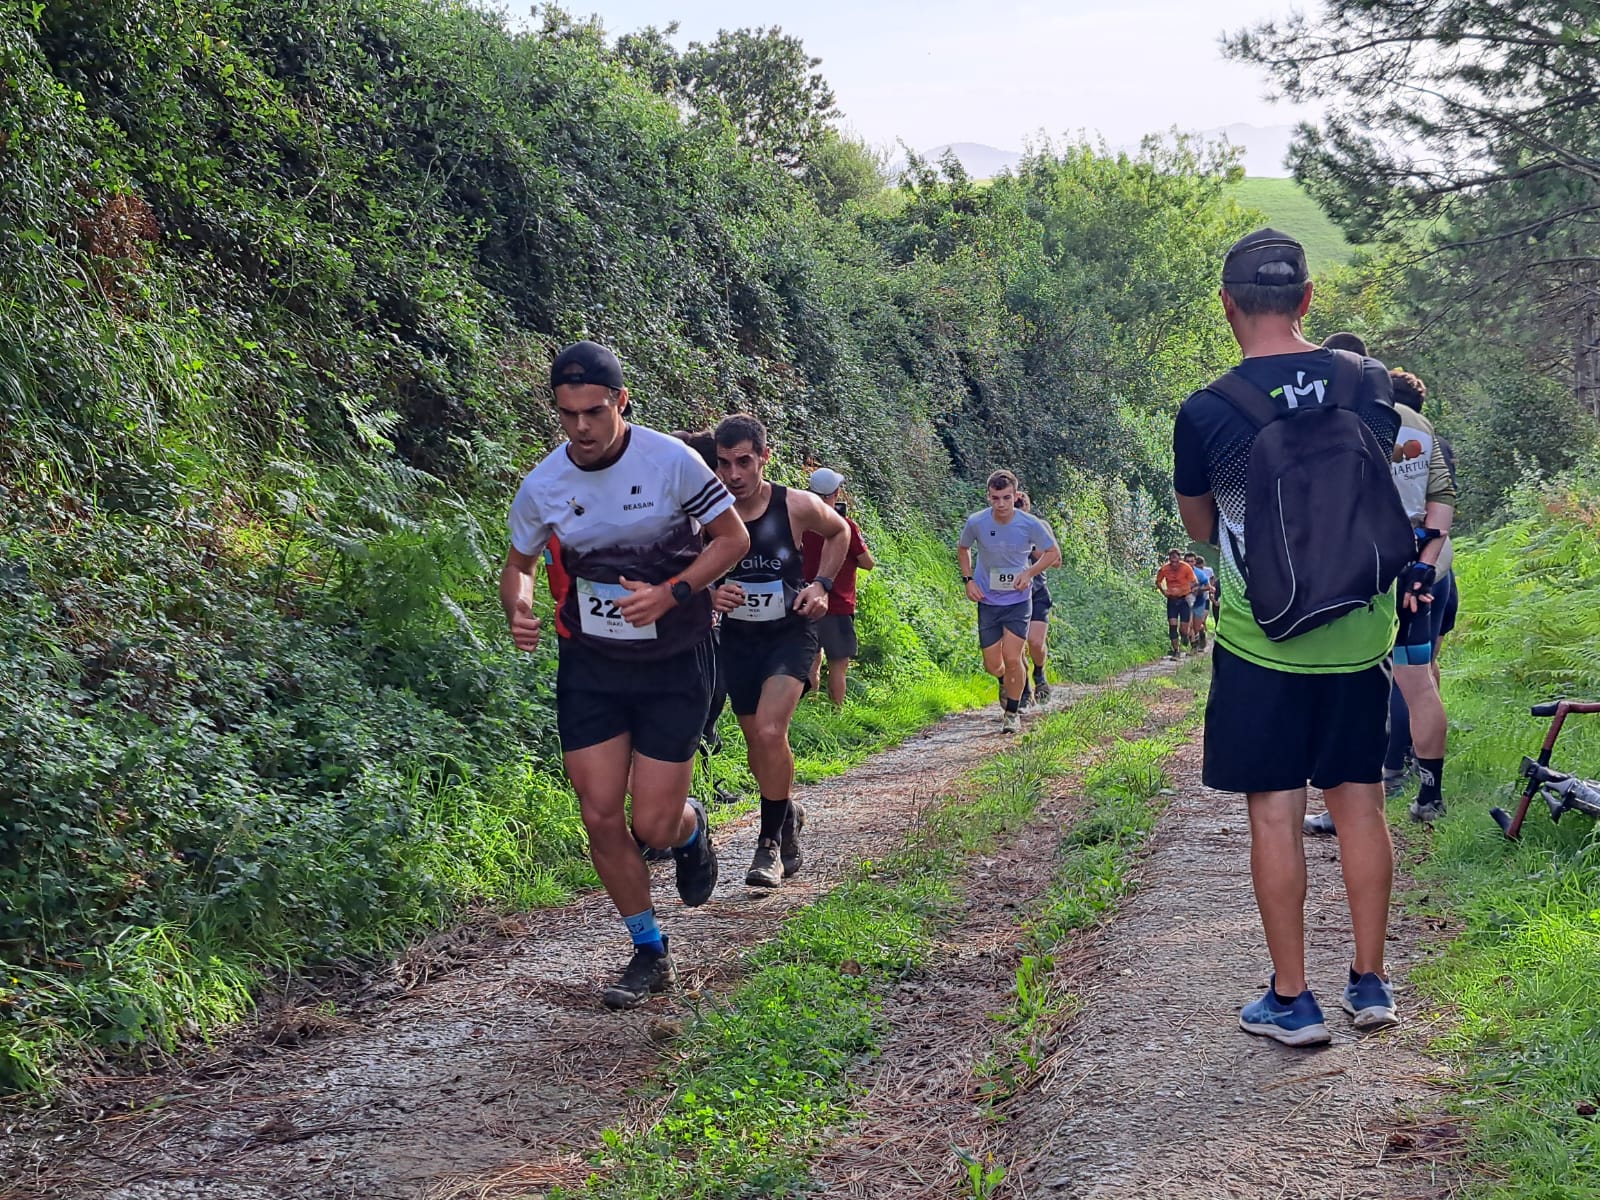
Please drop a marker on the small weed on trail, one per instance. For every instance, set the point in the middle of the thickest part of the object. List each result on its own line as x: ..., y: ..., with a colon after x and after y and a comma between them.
x: 764, y: 1076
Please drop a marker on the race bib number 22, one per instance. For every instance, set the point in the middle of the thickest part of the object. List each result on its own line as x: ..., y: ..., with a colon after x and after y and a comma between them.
x: 599, y: 616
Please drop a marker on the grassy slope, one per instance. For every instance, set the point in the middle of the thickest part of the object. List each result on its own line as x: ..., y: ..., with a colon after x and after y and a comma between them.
x: 1520, y: 980
x: 1289, y: 208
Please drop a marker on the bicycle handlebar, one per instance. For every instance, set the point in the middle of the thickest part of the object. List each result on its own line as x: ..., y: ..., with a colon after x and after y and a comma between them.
x: 1552, y: 708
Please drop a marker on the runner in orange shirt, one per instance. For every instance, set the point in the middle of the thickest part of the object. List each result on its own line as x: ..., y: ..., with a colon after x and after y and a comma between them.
x: 1175, y: 580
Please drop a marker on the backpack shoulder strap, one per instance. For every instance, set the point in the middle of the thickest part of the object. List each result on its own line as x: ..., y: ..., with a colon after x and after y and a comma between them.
x: 1344, y: 388
x: 1253, y: 404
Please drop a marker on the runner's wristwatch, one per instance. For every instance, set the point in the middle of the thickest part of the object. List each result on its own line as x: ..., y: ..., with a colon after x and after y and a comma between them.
x: 823, y: 582
x: 681, y: 591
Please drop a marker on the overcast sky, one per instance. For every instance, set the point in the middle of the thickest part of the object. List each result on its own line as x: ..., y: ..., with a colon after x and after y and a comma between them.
x: 999, y: 71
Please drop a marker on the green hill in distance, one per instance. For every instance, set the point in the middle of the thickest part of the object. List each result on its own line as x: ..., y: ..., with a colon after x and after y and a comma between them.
x: 1289, y: 208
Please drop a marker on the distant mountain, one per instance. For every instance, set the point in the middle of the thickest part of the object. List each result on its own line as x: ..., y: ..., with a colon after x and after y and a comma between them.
x: 1265, y: 148
x: 979, y: 161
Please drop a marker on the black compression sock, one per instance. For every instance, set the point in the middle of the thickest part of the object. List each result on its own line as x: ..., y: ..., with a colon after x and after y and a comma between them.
x: 1038, y: 676
x: 1286, y: 1001
x: 1430, y: 772
x: 773, y: 813
x: 1013, y: 705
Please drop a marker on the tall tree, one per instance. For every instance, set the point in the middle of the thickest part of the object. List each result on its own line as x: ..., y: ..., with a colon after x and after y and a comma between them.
x: 1474, y: 122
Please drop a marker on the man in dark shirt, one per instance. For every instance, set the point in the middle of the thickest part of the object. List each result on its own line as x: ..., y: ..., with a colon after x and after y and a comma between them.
x: 1312, y: 707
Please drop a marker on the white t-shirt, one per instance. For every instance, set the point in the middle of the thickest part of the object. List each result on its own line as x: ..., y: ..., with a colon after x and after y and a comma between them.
x: 638, y: 518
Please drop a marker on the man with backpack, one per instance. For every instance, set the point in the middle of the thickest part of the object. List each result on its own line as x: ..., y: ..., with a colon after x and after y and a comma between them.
x: 1283, y: 464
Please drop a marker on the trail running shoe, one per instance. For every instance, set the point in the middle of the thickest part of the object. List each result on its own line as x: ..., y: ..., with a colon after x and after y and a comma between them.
x: 1395, y: 782
x: 646, y: 974
x: 654, y: 854
x: 1012, y: 723
x: 1320, y: 825
x: 764, y: 871
x: 697, y: 865
x: 1427, y: 813
x: 1296, y: 1024
x: 1369, y: 999
x: 1041, y: 692
x: 789, y: 851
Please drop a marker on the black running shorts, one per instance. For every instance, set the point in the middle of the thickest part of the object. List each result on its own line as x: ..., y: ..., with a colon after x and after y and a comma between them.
x: 837, y: 634
x: 661, y: 705
x: 1042, y: 603
x: 1271, y: 731
x: 1179, y: 609
x: 997, y: 620
x: 750, y: 659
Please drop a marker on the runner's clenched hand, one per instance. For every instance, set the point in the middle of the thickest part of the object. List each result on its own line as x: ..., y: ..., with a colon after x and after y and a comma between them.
x: 726, y: 598
x: 812, y: 602
x: 974, y: 592
x: 525, y: 627
x: 645, y: 603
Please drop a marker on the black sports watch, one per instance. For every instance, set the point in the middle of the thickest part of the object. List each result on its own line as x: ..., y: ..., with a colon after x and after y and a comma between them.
x: 681, y: 591
x: 823, y: 582
x: 966, y: 579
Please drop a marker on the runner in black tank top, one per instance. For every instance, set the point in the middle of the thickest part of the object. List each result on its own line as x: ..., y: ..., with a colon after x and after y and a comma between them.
x: 770, y: 576
x: 769, y: 634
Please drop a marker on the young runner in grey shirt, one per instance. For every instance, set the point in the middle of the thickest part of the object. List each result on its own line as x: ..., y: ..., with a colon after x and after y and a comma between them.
x: 995, y: 546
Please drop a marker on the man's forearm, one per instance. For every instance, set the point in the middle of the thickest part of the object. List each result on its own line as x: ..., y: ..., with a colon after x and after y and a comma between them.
x: 1050, y: 558
x: 1440, y: 517
x: 516, y: 584
x: 834, y: 551
x: 964, y: 557
x: 715, y: 561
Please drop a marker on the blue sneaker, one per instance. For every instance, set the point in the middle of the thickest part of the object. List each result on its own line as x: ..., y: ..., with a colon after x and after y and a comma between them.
x: 1296, y: 1024
x: 1369, y: 999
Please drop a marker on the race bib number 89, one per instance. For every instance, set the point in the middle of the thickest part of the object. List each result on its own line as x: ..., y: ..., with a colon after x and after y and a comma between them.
x: 762, y: 602
x: 600, y: 617
x: 1003, y: 579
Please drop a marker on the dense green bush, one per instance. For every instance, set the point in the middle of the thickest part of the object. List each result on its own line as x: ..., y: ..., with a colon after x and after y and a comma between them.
x: 283, y: 281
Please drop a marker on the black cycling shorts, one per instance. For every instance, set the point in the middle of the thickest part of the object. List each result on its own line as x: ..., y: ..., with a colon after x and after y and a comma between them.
x: 750, y: 659
x: 662, y: 705
x: 1272, y: 731
x: 1420, y: 631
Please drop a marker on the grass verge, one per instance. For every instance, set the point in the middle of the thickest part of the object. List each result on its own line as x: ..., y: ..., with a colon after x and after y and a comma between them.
x: 764, y: 1075
x: 1515, y: 989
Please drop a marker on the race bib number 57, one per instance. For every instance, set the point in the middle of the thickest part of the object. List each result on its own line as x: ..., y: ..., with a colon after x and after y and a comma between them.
x: 762, y: 602
x: 599, y: 616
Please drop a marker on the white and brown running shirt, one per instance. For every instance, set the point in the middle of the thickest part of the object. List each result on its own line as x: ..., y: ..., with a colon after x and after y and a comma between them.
x: 638, y: 516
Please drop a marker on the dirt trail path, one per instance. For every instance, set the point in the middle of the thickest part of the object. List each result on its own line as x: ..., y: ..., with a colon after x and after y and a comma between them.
x: 1157, y: 1091
x: 508, y: 1059
x: 1152, y: 1090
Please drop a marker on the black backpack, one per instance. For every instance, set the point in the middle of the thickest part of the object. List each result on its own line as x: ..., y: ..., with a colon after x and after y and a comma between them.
x: 1327, y: 531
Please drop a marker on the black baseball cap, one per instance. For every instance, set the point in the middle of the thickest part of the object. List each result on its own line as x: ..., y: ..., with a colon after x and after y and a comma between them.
x: 586, y: 362
x: 1252, y: 252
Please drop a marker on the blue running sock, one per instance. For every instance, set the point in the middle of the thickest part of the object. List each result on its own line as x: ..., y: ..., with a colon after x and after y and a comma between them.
x: 693, y: 837
x: 644, y: 930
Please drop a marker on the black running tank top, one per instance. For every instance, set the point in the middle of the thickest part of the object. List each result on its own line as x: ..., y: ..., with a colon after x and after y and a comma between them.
x: 769, y: 573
